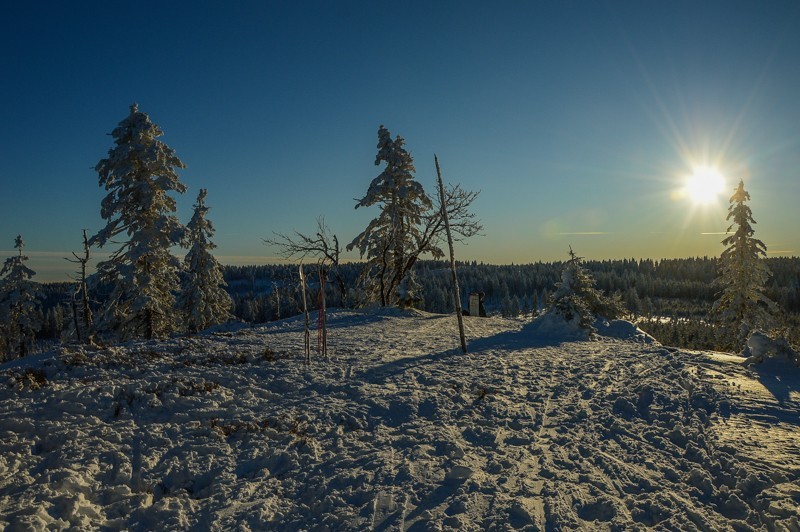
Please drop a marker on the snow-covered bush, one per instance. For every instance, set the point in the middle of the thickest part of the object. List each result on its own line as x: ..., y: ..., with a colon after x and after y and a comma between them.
x: 577, y: 301
x: 761, y: 347
x: 409, y: 292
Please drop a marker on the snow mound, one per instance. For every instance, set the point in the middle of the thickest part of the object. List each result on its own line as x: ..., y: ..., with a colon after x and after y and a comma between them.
x: 623, y: 330
x: 388, y: 312
x: 761, y: 348
x: 552, y: 327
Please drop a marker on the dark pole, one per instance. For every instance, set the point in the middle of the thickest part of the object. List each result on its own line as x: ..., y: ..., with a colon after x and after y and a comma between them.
x: 456, y: 291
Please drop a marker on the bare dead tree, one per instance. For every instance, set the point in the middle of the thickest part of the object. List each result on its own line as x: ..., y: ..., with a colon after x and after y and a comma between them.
x: 463, y: 223
x: 448, y: 232
x: 81, y: 291
x: 323, y: 245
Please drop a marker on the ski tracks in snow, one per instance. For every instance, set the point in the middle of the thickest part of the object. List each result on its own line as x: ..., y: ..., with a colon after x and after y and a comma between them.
x: 396, y: 430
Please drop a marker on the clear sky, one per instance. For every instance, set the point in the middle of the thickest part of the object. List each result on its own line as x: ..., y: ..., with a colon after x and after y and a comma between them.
x: 578, y: 121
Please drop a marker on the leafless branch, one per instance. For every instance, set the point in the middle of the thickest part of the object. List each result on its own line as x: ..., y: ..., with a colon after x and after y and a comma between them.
x: 323, y: 245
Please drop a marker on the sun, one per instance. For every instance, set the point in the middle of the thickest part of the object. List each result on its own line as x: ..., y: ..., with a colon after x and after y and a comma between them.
x: 705, y: 185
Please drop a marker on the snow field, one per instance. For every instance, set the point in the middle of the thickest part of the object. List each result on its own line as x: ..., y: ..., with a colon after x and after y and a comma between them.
x: 228, y: 430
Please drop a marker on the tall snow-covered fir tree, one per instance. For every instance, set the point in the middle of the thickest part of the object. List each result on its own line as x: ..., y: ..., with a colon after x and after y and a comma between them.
x: 388, y: 239
x: 742, y: 306
x: 577, y: 300
x: 203, y: 299
x: 139, y: 173
x: 19, y: 305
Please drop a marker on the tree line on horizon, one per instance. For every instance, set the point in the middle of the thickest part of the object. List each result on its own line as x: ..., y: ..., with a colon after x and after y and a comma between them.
x: 144, y: 291
x: 669, y: 298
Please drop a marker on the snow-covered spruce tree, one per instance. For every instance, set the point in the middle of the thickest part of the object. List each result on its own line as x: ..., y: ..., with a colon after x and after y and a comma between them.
x: 409, y: 291
x: 203, y: 299
x: 576, y: 299
x: 742, y: 306
x: 139, y: 173
x: 389, y: 239
x: 19, y: 305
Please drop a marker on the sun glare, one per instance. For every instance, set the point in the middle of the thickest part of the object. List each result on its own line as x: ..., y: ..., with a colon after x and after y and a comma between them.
x: 705, y: 185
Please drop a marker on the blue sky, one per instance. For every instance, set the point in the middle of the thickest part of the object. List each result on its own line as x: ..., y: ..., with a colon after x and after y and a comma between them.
x: 576, y: 120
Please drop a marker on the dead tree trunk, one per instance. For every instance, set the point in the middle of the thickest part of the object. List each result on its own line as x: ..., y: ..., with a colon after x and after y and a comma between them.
x: 83, y: 292
x: 75, y: 322
x: 456, y: 291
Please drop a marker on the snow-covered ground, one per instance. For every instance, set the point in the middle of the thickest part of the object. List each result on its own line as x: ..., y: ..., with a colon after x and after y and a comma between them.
x: 397, y: 430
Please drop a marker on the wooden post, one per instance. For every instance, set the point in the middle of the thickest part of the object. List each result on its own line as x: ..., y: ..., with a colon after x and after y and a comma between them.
x: 277, y: 296
x: 456, y: 291
x: 307, y: 338
x: 322, y: 323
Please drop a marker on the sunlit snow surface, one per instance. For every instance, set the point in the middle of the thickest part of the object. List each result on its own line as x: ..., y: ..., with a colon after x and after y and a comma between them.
x: 396, y: 430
